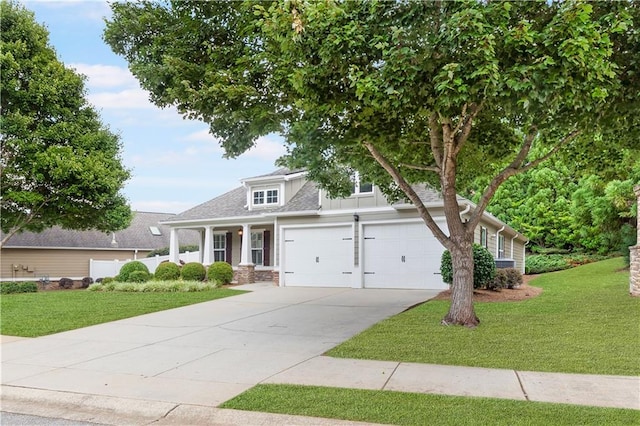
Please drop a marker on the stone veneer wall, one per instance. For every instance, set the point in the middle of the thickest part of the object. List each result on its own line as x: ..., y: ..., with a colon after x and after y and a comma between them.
x: 245, y: 274
x: 634, y: 285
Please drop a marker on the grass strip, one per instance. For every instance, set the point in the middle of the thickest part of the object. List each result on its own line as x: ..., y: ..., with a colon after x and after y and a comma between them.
x: 400, y: 408
x: 583, y: 322
x: 39, y: 314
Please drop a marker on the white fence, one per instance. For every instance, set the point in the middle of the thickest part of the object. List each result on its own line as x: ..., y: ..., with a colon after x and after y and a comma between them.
x: 111, y: 268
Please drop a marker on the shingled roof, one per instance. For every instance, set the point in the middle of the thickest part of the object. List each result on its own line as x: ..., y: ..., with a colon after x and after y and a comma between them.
x: 137, y: 236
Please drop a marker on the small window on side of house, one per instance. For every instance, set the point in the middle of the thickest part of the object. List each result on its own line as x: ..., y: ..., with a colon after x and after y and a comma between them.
x: 483, y: 237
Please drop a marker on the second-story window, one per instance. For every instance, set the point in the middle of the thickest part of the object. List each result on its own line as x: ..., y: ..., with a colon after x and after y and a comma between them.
x: 360, y: 187
x: 265, y: 197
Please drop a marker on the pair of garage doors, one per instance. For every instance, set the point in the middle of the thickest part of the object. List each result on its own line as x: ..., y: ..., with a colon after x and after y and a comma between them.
x: 394, y: 255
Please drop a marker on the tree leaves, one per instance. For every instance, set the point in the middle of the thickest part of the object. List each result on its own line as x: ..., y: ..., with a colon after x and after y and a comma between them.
x: 60, y: 165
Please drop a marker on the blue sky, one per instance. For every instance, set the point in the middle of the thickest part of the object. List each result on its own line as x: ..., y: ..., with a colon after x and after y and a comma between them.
x: 176, y: 164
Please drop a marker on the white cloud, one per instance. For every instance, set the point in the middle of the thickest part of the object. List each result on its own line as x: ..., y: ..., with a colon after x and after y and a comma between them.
x: 267, y: 148
x: 124, y: 99
x: 101, y: 76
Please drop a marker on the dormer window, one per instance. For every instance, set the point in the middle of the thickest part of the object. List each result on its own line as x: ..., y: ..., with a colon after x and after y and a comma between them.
x: 265, y: 197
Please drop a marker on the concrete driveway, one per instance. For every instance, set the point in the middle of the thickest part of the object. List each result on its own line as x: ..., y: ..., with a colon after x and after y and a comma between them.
x: 202, y: 354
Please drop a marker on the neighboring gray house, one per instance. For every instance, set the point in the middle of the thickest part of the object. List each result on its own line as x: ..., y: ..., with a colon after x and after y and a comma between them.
x: 280, y: 227
x: 57, y: 252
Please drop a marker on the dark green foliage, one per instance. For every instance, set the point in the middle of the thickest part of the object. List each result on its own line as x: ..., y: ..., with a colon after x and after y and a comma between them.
x: 86, y: 282
x: 484, y: 266
x: 167, y: 271
x: 106, y: 280
x: 220, y: 273
x: 65, y: 283
x: 60, y: 164
x: 446, y: 267
x: 18, y: 287
x: 138, y: 277
x: 130, y: 267
x: 193, y: 271
x: 165, y: 250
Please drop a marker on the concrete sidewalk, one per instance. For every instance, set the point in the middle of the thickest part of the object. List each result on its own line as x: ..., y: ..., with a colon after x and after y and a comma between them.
x: 176, y: 366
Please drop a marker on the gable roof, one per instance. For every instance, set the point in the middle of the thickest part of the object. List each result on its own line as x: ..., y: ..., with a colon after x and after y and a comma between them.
x: 137, y: 236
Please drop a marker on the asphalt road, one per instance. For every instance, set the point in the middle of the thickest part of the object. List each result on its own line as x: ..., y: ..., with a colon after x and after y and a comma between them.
x: 13, y: 419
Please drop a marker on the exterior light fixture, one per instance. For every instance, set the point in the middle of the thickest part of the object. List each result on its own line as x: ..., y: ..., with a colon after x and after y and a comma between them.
x: 356, y: 217
x: 240, y: 232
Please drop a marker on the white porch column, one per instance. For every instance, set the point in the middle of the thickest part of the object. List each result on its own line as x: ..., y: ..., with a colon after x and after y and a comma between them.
x: 207, y: 246
x: 245, y: 253
x: 174, y: 246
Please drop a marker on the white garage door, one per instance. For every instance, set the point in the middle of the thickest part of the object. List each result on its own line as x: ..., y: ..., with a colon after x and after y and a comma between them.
x: 318, y: 257
x: 402, y: 255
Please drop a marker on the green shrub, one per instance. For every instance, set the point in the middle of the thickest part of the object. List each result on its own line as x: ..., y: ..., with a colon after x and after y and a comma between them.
x: 629, y: 237
x: 12, y: 287
x: 130, y: 267
x: 484, y: 266
x: 220, y: 273
x: 106, y: 280
x: 499, y: 281
x: 193, y: 271
x: 167, y: 271
x: 65, y: 283
x: 139, y: 277
x: 514, y: 278
x: 539, y: 264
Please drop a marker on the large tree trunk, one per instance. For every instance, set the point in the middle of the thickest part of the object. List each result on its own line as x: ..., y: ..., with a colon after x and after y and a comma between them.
x: 461, y: 311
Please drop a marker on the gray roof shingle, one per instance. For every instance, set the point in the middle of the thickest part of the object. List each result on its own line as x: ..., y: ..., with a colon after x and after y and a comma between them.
x: 136, y: 236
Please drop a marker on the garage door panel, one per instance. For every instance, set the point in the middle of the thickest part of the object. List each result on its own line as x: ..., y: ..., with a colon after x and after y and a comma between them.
x: 318, y: 257
x: 401, y: 255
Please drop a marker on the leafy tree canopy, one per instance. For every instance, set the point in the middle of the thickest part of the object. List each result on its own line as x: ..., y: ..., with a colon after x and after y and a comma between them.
x: 60, y: 165
x: 403, y: 92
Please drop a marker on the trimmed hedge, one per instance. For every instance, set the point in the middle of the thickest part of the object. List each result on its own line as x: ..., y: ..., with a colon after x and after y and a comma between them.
x: 129, y: 268
x: 220, y: 273
x: 193, y: 271
x: 12, y: 287
x: 167, y: 271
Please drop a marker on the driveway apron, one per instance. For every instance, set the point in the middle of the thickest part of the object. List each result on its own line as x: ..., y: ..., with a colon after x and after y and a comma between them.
x: 201, y: 354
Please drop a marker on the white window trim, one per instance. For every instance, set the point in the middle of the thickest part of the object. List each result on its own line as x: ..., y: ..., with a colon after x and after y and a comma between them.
x: 356, y: 187
x: 486, y: 237
x: 223, y: 250
x: 261, y: 249
x: 264, y: 192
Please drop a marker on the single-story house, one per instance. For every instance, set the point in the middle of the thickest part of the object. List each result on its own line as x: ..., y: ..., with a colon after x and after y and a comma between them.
x: 56, y: 253
x: 281, y: 227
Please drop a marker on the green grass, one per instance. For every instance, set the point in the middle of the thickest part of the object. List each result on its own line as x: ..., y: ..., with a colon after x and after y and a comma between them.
x: 39, y: 314
x: 583, y: 322
x: 401, y: 408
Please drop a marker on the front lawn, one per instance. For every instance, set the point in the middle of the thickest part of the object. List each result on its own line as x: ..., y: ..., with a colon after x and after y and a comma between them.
x: 400, y: 408
x: 39, y: 314
x: 583, y: 322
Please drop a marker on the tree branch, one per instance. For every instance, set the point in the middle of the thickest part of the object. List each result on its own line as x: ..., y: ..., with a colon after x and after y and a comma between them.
x: 425, y: 168
x: 410, y: 193
x: 516, y: 167
x: 436, y: 140
x: 464, y: 127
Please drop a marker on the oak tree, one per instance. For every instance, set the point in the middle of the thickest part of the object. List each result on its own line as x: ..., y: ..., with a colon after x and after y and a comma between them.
x: 402, y: 92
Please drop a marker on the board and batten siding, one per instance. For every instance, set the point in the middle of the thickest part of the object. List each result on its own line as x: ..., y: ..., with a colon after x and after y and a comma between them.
x: 56, y: 263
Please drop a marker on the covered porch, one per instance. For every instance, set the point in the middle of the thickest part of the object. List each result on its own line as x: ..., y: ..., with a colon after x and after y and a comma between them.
x: 249, y: 247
